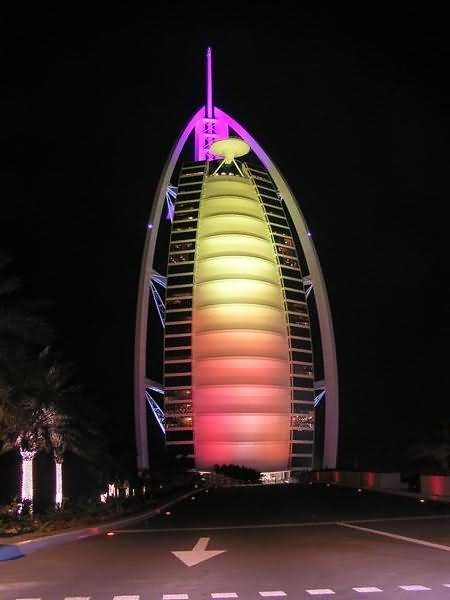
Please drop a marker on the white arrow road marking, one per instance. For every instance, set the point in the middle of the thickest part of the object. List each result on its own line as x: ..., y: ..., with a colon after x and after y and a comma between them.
x: 198, y: 553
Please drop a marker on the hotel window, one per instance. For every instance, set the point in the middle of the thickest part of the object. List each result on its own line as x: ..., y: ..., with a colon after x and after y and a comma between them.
x: 301, y: 461
x: 181, y: 408
x: 177, y: 381
x: 179, y: 303
x: 302, y: 448
x: 179, y: 436
x: 174, y: 354
x: 303, y: 421
x: 174, y: 342
x: 302, y: 356
x: 299, y: 332
x: 179, y: 315
x: 182, y: 235
x: 178, y: 422
x: 303, y: 382
x: 307, y: 436
x: 178, y: 367
x: 299, y: 344
x: 178, y: 395
x: 180, y: 246
x: 174, y: 292
x: 181, y: 257
x: 178, y: 328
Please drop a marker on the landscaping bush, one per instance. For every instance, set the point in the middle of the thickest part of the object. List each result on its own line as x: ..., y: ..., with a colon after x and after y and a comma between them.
x: 238, y: 472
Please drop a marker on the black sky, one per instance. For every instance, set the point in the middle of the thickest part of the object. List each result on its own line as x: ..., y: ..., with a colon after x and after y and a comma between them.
x: 350, y: 103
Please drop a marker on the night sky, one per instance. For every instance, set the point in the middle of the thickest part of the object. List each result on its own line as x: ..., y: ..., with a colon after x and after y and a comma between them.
x: 352, y: 107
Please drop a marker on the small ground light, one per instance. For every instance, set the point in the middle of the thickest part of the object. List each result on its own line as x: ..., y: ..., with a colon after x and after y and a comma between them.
x: 168, y: 513
x: 328, y: 484
x: 359, y: 490
x: 422, y: 500
x: 110, y: 533
x: 192, y: 497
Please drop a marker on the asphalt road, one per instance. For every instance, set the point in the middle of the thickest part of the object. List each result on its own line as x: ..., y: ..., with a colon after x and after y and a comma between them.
x: 292, y: 541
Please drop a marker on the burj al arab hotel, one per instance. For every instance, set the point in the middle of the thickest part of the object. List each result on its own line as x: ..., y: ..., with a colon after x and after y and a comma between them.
x: 242, y: 275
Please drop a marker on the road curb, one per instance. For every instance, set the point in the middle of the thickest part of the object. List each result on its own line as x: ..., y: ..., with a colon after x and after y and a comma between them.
x: 18, y: 549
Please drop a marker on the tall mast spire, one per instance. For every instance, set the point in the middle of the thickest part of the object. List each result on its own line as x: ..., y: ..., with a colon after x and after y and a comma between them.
x: 209, y: 85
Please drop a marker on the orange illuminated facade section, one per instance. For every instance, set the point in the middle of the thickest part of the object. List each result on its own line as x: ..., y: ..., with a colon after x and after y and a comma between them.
x: 241, y: 374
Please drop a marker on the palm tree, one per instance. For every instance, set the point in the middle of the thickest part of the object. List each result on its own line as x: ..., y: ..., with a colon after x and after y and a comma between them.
x: 22, y: 427
x: 66, y: 416
x: 21, y: 333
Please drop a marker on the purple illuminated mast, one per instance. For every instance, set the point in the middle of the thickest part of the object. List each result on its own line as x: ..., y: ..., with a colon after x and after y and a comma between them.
x: 209, y: 128
x: 209, y: 86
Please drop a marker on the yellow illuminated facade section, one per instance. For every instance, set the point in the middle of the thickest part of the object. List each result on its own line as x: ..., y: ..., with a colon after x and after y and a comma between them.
x: 241, y: 386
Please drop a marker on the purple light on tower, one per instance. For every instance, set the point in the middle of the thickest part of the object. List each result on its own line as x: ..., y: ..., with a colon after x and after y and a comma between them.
x: 209, y: 86
x: 208, y: 129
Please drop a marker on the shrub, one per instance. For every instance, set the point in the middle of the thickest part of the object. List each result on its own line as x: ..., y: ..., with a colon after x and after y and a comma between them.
x: 238, y: 472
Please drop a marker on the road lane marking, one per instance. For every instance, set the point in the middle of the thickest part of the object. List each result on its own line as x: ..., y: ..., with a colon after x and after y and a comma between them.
x: 175, y: 596
x: 224, y: 595
x: 78, y: 598
x: 446, y: 585
x: 126, y: 598
x: 278, y: 525
x: 274, y: 594
x: 414, y: 588
x: 366, y: 590
x: 198, y: 554
x: 395, y: 536
x: 324, y: 592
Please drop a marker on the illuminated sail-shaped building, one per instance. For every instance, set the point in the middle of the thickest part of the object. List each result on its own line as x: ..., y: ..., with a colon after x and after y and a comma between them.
x: 239, y: 383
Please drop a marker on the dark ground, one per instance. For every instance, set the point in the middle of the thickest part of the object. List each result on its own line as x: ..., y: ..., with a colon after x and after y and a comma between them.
x: 277, y: 539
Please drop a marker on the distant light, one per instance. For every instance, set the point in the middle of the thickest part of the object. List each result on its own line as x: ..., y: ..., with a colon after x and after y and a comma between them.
x: 192, y: 497
x: 150, y: 225
x: 359, y: 490
x: 309, y: 234
x: 168, y: 513
x: 422, y: 500
x: 328, y: 484
x: 110, y: 533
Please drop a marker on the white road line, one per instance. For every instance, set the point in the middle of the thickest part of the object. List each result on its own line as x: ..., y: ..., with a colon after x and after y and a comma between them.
x: 274, y: 594
x: 446, y: 585
x: 366, y: 590
x: 396, y: 536
x: 78, y: 598
x: 414, y: 588
x: 28, y: 599
x: 126, y: 598
x: 324, y: 592
x: 224, y: 595
x: 175, y: 596
x: 279, y: 525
